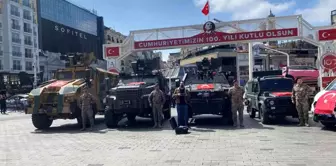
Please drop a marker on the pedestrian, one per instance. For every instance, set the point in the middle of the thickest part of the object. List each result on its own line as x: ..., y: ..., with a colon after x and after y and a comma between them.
x: 300, y: 97
x: 236, y: 94
x: 86, y: 100
x: 156, y: 100
x: 181, y: 96
x: 3, y: 104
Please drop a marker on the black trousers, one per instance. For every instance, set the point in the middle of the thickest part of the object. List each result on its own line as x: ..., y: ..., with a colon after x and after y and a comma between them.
x: 3, y: 108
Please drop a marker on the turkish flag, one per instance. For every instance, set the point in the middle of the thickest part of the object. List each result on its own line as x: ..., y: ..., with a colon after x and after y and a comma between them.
x: 327, y: 34
x: 326, y: 103
x: 205, y: 87
x: 206, y: 9
x: 112, y: 51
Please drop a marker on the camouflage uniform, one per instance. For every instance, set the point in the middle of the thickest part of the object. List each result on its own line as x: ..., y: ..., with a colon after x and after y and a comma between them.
x: 85, y: 105
x: 157, y: 99
x: 236, y: 94
x: 300, y: 96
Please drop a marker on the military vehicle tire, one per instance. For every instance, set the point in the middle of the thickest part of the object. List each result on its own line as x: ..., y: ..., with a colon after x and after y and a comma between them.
x: 265, y: 119
x: 41, y: 121
x: 111, y: 119
x: 252, y: 113
x: 328, y: 125
x: 131, y: 118
x: 167, y: 114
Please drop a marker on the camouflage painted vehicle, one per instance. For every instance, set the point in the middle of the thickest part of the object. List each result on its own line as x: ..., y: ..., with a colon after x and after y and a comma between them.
x: 58, y: 98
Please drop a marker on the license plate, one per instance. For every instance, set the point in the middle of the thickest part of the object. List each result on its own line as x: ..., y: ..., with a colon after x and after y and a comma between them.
x: 273, y: 108
x: 126, y: 102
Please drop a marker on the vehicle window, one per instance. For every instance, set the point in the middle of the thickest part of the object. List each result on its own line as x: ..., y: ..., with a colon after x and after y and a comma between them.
x: 276, y: 85
x: 194, y: 79
x: 255, y: 87
x: 64, y: 75
x: 150, y: 80
x: 80, y: 74
x: 331, y: 86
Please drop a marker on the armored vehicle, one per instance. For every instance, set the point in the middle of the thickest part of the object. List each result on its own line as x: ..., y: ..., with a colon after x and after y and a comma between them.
x: 208, y: 87
x: 58, y: 98
x: 130, y: 97
x: 270, y: 96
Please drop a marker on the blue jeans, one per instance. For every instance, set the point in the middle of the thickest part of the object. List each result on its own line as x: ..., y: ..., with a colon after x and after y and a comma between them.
x: 182, y: 114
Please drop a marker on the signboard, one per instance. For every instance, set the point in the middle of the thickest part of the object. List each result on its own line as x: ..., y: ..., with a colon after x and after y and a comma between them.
x: 328, y: 61
x: 210, y: 36
x: 112, y: 52
x: 327, y: 34
x: 60, y: 38
x: 327, y: 80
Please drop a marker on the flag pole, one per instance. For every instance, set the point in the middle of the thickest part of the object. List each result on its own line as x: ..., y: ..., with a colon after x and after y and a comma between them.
x: 209, y: 10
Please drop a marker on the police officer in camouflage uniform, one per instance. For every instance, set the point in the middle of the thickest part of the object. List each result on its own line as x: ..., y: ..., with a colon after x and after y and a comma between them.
x: 86, y: 100
x: 300, y: 95
x: 156, y: 100
x: 236, y: 94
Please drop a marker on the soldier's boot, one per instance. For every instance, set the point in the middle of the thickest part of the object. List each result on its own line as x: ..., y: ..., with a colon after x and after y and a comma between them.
x: 155, y: 125
x: 301, y: 122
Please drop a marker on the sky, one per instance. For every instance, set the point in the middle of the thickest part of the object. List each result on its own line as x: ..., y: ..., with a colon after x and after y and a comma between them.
x: 127, y: 15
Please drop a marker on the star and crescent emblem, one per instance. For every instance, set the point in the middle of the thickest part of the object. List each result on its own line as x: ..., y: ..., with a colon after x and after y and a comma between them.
x: 327, y: 98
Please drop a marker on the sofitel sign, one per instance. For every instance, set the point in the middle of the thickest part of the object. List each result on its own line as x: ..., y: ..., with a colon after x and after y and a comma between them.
x: 70, y: 32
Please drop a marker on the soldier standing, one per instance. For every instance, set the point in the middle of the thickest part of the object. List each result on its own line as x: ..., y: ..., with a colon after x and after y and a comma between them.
x: 86, y: 100
x: 156, y: 100
x: 236, y: 93
x: 300, y: 95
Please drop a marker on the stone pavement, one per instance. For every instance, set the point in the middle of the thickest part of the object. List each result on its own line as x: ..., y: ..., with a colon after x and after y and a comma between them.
x: 209, y: 143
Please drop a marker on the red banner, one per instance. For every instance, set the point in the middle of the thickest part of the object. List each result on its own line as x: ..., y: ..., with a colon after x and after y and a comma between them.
x: 327, y: 80
x: 282, y: 94
x: 327, y: 34
x: 217, y: 37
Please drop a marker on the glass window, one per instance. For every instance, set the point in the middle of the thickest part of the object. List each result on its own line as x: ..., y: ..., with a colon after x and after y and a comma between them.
x: 69, y: 15
x: 29, y: 66
x: 26, y: 3
x: 27, y: 28
x: 27, y: 15
x: 276, y: 85
x: 16, y: 38
x: 28, y: 40
x: 16, y: 51
x: 15, y: 10
x: 15, y: 24
x: 28, y: 53
x: 16, y: 65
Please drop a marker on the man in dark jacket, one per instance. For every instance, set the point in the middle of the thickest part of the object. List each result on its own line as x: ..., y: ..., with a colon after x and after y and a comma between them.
x: 181, y: 96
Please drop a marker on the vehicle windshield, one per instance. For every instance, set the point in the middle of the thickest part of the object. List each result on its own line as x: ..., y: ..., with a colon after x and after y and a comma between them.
x: 194, y: 79
x: 276, y: 85
x: 67, y: 75
x: 149, y: 80
x: 331, y: 86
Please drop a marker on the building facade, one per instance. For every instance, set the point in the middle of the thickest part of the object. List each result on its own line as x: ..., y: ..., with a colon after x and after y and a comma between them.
x: 19, y: 38
x: 67, y: 28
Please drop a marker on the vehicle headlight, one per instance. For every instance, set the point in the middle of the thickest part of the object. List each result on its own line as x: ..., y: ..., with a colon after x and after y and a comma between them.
x: 271, y: 102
